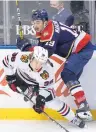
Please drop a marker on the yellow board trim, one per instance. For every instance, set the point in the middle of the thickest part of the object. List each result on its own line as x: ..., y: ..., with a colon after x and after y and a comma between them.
x: 29, y: 114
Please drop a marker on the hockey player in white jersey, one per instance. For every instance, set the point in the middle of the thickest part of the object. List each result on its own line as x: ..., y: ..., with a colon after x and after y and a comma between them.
x: 34, y: 70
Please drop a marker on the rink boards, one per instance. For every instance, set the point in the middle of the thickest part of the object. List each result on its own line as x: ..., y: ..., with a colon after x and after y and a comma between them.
x: 12, y: 105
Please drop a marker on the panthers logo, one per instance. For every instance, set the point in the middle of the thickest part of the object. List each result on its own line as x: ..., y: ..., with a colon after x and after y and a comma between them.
x: 24, y: 58
x: 45, y: 75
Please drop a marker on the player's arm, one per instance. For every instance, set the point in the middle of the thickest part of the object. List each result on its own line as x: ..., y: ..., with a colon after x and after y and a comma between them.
x: 23, y: 44
x: 9, y: 68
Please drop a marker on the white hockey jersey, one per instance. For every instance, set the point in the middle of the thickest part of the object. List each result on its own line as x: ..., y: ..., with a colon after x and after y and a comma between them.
x: 20, y: 63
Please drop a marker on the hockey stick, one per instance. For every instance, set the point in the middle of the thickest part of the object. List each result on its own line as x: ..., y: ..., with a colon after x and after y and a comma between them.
x: 19, y: 20
x: 20, y: 91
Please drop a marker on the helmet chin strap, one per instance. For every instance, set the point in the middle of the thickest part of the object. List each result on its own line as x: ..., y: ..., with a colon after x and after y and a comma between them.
x: 50, y: 63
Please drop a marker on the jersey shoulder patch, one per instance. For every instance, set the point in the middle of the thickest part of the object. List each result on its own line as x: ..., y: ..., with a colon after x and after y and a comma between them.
x: 24, y: 58
x: 47, y: 33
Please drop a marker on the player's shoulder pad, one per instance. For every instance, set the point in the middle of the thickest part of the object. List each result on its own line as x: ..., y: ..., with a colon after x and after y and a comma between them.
x: 47, y: 33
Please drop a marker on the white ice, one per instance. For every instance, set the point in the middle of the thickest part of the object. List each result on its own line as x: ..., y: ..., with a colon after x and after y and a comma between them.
x: 41, y: 126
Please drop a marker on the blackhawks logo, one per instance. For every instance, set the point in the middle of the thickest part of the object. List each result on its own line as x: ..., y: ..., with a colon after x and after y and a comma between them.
x: 24, y: 58
x: 45, y: 75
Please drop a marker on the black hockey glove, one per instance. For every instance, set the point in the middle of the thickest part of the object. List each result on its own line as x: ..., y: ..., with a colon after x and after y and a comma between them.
x: 23, y: 44
x: 11, y: 79
x: 40, y: 103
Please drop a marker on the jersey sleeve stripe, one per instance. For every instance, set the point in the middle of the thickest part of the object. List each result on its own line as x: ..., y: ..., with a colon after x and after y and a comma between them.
x: 4, y: 64
x: 6, y: 61
x: 7, y: 58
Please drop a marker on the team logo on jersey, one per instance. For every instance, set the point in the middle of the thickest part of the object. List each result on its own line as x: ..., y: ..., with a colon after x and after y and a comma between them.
x: 45, y: 75
x: 45, y: 34
x: 24, y: 58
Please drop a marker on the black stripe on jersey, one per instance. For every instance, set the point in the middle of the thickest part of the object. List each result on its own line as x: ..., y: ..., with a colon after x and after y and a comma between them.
x: 7, y: 58
x: 29, y: 79
x: 51, y: 92
x: 30, y: 67
x: 67, y: 112
x: 74, y: 87
x: 4, y: 64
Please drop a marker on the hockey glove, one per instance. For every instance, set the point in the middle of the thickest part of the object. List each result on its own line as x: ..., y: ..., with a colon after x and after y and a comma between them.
x: 11, y: 79
x: 40, y: 103
x: 23, y: 44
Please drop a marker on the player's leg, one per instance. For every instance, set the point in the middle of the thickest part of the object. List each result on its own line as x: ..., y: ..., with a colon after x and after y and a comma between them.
x: 46, y: 97
x: 72, y: 68
x: 65, y: 111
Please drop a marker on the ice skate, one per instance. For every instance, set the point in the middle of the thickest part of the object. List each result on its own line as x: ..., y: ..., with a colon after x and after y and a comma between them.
x: 78, y: 122
x: 84, y: 112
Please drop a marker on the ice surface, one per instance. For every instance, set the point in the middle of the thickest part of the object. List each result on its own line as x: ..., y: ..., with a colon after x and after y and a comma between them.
x: 41, y: 126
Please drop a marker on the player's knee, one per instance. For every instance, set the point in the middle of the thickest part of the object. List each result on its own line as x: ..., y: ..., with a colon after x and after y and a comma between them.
x: 56, y: 104
x: 68, y: 75
x: 59, y: 106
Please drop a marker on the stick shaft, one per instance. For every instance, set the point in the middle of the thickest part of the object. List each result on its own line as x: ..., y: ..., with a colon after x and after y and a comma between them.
x: 19, y: 20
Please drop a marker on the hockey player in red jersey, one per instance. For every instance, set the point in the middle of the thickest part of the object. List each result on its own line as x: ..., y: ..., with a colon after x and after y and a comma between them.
x: 33, y: 70
x: 76, y: 48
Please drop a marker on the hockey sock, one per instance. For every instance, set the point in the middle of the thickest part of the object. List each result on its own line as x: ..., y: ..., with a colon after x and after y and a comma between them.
x: 76, y: 91
x: 66, y: 112
x: 78, y: 94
